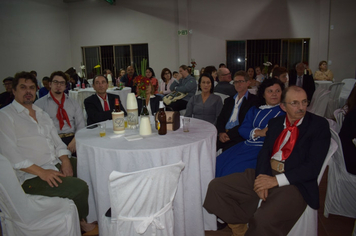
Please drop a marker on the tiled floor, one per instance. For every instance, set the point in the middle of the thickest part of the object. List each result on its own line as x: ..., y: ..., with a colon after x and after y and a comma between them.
x: 332, y: 226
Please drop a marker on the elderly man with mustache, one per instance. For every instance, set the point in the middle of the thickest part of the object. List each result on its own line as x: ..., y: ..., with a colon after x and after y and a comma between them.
x: 285, y: 177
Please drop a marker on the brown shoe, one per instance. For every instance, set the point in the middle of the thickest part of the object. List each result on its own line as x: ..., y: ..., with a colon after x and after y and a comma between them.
x: 238, y: 229
x: 93, y: 232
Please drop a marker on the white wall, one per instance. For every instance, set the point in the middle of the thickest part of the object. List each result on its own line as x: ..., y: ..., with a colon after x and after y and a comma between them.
x: 129, y: 21
x: 34, y: 36
x: 342, y: 53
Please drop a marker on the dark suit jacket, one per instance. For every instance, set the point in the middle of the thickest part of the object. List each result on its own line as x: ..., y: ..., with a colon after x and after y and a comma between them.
x: 154, y: 103
x: 347, y: 133
x: 128, y: 83
x: 96, y: 112
x: 308, y: 83
x: 304, y: 163
x: 223, y: 118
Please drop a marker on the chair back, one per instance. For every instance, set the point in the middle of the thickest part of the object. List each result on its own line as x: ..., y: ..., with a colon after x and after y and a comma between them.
x: 13, y: 199
x: 307, y: 224
x: 142, y: 196
x: 318, y: 106
x: 222, y: 96
x: 335, y: 90
x: 339, y: 115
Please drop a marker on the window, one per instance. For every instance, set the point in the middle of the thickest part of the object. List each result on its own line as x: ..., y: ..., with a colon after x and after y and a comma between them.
x: 113, y: 57
x: 250, y: 53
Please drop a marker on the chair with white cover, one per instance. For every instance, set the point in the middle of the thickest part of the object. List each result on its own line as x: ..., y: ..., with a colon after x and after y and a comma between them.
x: 141, y: 201
x: 339, y: 115
x: 346, y: 90
x: 319, y: 102
x: 32, y: 215
x: 341, y: 190
x: 308, y: 221
x: 333, y: 103
x: 223, y: 96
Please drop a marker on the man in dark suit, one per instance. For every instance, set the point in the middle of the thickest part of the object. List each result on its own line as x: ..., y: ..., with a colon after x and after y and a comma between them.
x: 230, y: 119
x: 285, y: 177
x: 129, y: 77
x: 300, y: 79
x: 99, y: 106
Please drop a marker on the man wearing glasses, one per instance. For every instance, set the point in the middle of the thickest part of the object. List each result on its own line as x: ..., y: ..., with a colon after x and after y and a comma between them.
x: 285, y: 178
x: 6, y: 97
x: 224, y: 85
x: 66, y: 113
x: 234, y: 111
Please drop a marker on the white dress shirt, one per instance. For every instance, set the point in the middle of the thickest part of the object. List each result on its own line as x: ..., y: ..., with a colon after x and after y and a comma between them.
x: 25, y: 142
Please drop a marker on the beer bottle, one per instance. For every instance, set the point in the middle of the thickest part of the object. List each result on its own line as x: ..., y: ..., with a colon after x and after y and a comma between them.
x: 117, y: 105
x: 162, y: 119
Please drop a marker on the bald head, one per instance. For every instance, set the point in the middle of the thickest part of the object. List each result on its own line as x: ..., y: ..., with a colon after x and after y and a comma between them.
x: 130, y: 70
x: 224, y: 74
x: 293, y: 89
x: 294, y: 103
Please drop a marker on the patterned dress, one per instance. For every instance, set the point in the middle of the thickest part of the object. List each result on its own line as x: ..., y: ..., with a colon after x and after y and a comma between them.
x: 244, y: 155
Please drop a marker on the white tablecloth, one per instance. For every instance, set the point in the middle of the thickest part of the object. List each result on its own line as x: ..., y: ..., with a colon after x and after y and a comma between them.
x: 82, y: 94
x: 98, y: 157
x: 323, y: 84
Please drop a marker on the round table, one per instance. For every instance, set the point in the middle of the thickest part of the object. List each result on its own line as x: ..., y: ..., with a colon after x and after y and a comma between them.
x: 82, y: 94
x: 98, y: 157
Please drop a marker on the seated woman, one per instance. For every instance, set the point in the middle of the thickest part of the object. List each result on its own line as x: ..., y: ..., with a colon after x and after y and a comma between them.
x: 166, y: 82
x: 151, y: 75
x: 251, y: 77
x: 152, y: 101
x: 205, y: 106
x: 254, y: 127
x: 323, y: 73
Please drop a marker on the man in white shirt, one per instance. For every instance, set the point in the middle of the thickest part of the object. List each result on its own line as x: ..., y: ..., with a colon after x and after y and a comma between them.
x: 39, y: 157
x: 285, y: 177
x: 66, y: 113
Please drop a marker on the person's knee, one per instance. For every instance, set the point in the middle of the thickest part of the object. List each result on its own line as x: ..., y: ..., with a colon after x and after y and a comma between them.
x: 76, y: 185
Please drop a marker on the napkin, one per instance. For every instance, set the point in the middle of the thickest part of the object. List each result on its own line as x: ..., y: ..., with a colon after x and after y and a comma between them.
x: 115, y: 135
x: 133, y: 137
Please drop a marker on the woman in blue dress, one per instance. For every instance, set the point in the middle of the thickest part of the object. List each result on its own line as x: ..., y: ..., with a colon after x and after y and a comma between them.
x: 254, y: 127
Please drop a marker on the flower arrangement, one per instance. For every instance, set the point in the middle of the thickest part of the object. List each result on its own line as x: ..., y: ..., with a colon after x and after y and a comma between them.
x: 193, y: 65
x: 97, y: 67
x: 83, y: 70
x: 141, y: 81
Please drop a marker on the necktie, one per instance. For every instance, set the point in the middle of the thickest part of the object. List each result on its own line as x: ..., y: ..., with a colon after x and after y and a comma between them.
x: 61, y: 113
x: 299, y: 81
x: 288, y: 147
x: 235, y: 112
x: 106, y: 105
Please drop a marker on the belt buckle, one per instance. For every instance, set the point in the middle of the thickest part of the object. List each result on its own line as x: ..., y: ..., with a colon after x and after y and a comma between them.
x: 280, y: 167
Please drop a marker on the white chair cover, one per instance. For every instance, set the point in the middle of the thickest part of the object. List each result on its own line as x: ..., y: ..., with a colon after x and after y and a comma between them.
x: 319, y: 102
x: 141, y: 201
x: 346, y: 90
x: 341, y: 190
x: 333, y: 125
x: 339, y: 115
x: 31, y: 215
x: 333, y: 103
x: 223, y: 96
x: 308, y: 222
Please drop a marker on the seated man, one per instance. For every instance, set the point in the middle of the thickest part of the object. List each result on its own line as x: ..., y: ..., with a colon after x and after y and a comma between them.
x: 99, y: 106
x: 6, y: 97
x: 233, y: 112
x: 285, y: 177
x: 40, y: 159
x: 129, y: 77
x: 66, y: 113
x: 305, y: 81
x: 224, y: 85
x: 45, y: 89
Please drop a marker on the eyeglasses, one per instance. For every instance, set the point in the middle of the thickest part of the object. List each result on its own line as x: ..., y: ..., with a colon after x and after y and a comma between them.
x: 297, y: 103
x: 61, y: 83
x: 167, y: 73
x: 239, y: 81
x: 226, y: 74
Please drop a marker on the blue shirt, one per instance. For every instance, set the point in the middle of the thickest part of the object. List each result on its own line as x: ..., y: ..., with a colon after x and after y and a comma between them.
x: 230, y: 125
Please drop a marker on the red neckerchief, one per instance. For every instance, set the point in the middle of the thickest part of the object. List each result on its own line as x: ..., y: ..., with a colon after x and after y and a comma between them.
x: 106, y: 105
x: 61, y: 113
x: 288, y: 147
